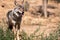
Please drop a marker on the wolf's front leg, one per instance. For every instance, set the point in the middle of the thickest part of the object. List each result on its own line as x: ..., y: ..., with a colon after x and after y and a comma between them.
x: 15, y: 33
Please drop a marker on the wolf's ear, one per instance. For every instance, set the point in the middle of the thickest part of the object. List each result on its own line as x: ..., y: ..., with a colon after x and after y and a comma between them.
x: 15, y: 2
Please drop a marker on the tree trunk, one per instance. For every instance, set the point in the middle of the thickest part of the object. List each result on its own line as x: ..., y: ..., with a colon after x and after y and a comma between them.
x: 45, y: 7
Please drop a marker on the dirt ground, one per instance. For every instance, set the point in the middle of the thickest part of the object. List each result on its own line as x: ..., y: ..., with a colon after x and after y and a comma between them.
x: 31, y: 22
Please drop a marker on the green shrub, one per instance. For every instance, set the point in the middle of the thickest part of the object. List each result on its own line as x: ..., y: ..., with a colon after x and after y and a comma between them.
x: 6, y: 35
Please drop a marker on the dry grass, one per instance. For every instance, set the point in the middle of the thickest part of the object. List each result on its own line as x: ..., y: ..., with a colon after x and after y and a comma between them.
x: 29, y: 21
